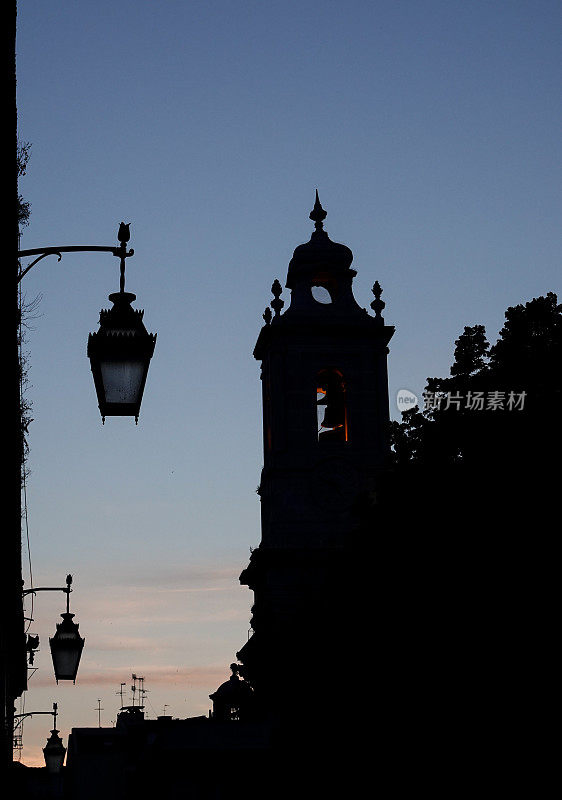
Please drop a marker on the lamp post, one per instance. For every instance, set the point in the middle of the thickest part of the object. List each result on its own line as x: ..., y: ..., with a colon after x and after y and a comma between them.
x: 67, y: 644
x: 121, y: 350
x: 54, y: 751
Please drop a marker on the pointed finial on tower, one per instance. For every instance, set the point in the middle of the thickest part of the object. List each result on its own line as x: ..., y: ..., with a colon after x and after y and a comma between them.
x: 277, y: 304
x: 318, y: 215
x: 377, y: 305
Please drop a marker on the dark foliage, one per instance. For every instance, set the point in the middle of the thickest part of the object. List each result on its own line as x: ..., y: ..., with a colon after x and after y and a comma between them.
x: 499, y: 409
x: 25, y: 313
x: 24, y: 208
x: 459, y: 551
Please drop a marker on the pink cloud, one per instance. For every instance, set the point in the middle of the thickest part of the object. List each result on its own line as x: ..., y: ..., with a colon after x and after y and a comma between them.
x: 154, y: 674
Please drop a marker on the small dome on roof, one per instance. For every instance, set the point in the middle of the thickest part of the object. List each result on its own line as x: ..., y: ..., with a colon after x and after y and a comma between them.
x: 233, y: 691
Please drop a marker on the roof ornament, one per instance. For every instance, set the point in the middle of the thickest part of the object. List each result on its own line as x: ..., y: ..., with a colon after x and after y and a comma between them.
x: 277, y: 304
x: 318, y: 215
x: 377, y: 305
x: 267, y: 316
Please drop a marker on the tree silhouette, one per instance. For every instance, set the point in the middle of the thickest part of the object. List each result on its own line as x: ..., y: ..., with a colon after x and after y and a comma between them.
x: 456, y: 550
x: 471, y: 352
x: 498, y: 410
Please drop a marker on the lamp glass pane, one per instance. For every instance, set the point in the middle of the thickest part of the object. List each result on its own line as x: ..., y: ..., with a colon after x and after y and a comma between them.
x: 66, y: 662
x: 122, y: 380
x: 54, y: 761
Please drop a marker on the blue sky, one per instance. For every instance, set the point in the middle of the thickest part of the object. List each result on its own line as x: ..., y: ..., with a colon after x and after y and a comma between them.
x: 432, y: 132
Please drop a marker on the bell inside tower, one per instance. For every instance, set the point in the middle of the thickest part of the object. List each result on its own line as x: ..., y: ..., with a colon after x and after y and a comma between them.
x: 331, y: 407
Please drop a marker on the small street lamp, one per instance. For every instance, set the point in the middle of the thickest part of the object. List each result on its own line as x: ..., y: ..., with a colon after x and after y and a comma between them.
x: 54, y: 751
x: 67, y: 644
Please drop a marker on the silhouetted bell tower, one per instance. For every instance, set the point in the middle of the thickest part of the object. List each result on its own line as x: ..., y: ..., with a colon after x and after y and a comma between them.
x: 325, y: 435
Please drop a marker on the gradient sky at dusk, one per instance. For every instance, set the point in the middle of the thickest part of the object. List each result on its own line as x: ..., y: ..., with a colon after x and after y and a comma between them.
x: 432, y: 132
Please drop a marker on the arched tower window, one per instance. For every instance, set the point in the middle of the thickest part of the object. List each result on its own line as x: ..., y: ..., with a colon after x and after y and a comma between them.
x: 321, y: 293
x: 331, y: 406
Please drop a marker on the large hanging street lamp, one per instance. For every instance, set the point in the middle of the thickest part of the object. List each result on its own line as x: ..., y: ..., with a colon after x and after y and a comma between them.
x: 121, y: 350
x: 67, y: 644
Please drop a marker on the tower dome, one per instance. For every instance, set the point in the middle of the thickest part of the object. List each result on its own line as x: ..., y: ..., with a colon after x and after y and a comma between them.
x: 321, y: 263
x: 320, y: 257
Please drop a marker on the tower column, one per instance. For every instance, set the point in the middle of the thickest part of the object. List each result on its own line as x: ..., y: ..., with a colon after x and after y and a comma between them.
x: 325, y: 439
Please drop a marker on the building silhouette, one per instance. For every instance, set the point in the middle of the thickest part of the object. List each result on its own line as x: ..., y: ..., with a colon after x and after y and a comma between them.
x: 326, y: 453
x: 325, y: 431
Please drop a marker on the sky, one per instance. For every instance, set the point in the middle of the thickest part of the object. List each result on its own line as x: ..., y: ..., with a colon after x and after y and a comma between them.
x: 432, y: 133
